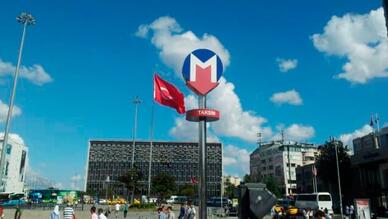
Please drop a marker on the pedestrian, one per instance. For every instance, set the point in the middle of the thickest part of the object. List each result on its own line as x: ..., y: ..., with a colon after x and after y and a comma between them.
x: 311, y: 213
x: 161, y: 213
x: 117, y: 209
x: 319, y: 215
x: 351, y: 212
x: 1, y: 212
x: 125, y: 210
x: 191, y: 212
x: 182, y: 210
x: 101, y: 214
x: 305, y: 214
x: 347, y: 211
x: 93, y: 213
x: 68, y: 212
x: 170, y: 213
x: 18, y: 212
x: 55, y: 213
x: 328, y: 216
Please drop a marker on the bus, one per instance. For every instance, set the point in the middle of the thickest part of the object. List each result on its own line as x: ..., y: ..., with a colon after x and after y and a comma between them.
x: 315, y: 201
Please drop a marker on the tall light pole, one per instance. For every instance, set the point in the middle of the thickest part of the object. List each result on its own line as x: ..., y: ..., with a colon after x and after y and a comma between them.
x: 136, y: 101
x: 338, y: 176
x: 25, y: 19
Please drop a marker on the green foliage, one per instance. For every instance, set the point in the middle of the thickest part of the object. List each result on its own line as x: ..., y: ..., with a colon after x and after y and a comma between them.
x: 327, y: 167
x: 131, y: 179
x: 272, y: 185
x: 230, y: 189
x: 187, y: 190
x: 247, y: 178
x: 163, y: 185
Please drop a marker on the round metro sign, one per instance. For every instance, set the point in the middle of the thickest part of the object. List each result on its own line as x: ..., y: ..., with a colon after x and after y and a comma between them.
x: 201, y: 70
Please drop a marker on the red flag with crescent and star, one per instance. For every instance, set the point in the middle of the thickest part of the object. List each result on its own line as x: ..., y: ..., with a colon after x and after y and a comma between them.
x: 167, y: 94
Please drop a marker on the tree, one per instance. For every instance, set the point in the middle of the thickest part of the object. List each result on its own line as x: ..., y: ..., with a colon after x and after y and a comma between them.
x: 163, y: 185
x: 272, y: 185
x: 327, y: 166
x: 230, y: 189
x: 247, y: 178
x: 131, y: 179
x: 187, y: 190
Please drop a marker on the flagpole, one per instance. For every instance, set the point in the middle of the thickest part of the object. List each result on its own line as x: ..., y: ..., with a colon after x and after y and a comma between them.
x: 151, y: 145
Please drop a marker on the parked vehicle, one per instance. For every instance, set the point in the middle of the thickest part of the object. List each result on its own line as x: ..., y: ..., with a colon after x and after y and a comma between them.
x: 13, y: 200
x: 177, y: 199
x: 315, y: 201
x: 219, y: 202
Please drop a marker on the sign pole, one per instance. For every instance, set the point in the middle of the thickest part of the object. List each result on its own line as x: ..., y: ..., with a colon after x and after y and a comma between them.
x: 202, y: 161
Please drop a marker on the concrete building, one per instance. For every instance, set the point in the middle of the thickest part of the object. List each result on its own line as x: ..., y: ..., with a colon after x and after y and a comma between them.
x: 279, y: 159
x: 370, y: 168
x: 234, y: 180
x: 15, y: 164
x: 179, y: 159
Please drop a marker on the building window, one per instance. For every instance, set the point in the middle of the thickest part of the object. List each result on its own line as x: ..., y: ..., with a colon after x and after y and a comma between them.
x: 9, y: 149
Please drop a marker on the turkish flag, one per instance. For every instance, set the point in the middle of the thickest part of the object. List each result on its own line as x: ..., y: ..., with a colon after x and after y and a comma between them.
x: 168, y: 95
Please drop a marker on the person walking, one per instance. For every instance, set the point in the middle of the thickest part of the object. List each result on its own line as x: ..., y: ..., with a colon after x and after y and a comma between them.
x: 68, y: 212
x: 170, y: 213
x: 182, y: 210
x: 93, y: 213
x: 55, y: 214
x: 101, y: 214
x: 18, y: 212
x: 1, y: 212
x: 191, y: 212
x: 351, y: 212
x: 117, y: 209
x: 125, y: 210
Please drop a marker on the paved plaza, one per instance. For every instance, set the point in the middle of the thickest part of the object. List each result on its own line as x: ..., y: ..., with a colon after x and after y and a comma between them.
x: 132, y: 214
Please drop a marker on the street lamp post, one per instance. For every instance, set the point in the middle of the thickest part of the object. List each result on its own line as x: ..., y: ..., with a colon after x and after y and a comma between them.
x: 106, y: 187
x: 25, y: 19
x: 136, y: 101
x: 338, y: 176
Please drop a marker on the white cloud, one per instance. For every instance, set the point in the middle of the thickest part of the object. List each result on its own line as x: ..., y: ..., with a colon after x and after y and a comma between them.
x: 76, y: 182
x: 35, y: 73
x: 362, y: 40
x: 235, y: 122
x: 174, y: 44
x: 236, y: 160
x: 291, y: 97
x: 295, y: 132
x: 286, y: 65
x: 4, y: 111
x: 347, y: 138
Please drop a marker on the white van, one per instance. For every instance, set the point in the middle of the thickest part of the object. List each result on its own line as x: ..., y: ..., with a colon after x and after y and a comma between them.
x: 315, y: 201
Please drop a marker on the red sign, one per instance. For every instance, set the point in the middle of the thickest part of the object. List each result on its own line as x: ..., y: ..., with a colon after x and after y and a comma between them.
x: 196, y: 115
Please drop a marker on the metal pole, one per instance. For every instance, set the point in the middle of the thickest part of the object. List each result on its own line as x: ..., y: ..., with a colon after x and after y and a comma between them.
x: 151, y: 144
x: 339, y: 178
x: 25, y: 19
x: 202, y: 162
x: 136, y: 101
x: 289, y: 166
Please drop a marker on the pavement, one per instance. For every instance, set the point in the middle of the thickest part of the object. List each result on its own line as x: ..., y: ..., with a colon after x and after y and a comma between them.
x: 132, y: 214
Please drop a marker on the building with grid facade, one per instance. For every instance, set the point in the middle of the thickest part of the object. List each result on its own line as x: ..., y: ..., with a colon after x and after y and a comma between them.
x: 179, y: 159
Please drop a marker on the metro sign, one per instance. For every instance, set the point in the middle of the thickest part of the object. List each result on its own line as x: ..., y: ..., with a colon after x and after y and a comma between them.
x: 202, y: 69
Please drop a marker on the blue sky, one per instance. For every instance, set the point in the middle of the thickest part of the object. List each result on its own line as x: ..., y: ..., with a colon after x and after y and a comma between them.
x: 91, y: 60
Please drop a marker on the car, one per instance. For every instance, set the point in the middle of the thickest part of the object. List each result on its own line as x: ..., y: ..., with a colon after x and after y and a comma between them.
x: 218, y: 202
x: 177, y: 199
x: 102, y: 201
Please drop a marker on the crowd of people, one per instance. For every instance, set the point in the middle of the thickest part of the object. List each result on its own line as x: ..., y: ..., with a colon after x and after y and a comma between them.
x: 100, y: 213
x: 309, y: 213
x: 186, y: 211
